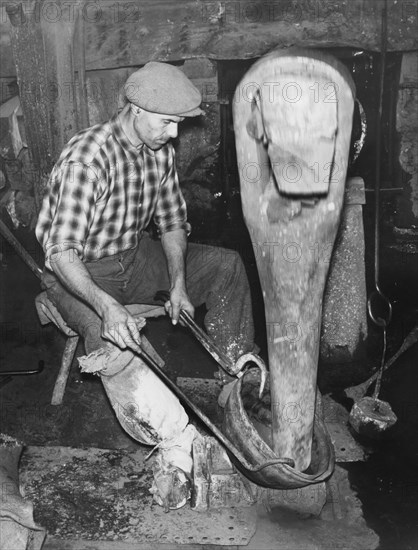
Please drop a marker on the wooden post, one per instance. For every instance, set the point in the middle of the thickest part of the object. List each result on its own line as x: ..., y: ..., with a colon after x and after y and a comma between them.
x: 42, y: 46
x: 293, y: 118
x: 30, y: 61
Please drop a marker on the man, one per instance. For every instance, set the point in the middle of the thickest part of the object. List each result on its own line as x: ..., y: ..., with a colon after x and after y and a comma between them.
x: 107, y: 185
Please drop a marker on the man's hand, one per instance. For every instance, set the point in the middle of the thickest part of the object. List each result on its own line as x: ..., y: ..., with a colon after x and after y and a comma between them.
x: 119, y: 326
x: 179, y: 300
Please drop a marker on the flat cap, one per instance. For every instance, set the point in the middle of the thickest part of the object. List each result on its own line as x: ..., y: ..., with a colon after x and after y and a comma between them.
x: 164, y: 89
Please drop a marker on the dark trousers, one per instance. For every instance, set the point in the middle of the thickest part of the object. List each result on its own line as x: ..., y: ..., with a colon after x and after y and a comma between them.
x: 214, y: 276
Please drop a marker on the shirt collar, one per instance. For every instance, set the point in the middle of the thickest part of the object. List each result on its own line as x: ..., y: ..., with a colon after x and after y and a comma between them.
x: 122, y: 138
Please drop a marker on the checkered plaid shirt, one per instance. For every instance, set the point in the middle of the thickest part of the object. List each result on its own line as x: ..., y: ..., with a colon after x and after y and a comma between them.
x: 103, y: 192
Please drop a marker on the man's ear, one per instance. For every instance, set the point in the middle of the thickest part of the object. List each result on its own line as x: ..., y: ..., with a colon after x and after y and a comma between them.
x: 255, y: 125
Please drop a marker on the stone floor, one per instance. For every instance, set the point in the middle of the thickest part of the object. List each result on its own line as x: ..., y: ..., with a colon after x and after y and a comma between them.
x: 376, y: 502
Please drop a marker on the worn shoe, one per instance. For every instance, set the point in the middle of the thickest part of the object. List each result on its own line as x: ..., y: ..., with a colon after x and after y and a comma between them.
x: 172, y: 470
x: 171, y: 486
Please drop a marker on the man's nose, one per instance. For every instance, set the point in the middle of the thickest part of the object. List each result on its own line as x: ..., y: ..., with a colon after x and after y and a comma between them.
x: 173, y: 130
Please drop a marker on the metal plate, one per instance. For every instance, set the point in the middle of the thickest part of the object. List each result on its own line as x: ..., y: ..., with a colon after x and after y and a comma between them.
x: 347, y: 449
x: 102, y: 495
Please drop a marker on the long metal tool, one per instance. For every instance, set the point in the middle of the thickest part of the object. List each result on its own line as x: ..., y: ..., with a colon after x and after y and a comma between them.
x: 216, y: 432
x: 17, y: 247
x: 232, y: 369
x: 33, y: 266
x: 40, y: 368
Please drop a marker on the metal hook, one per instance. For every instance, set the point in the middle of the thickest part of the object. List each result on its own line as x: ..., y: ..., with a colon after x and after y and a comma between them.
x: 251, y: 358
x: 378, y: 320
x: 226, y: 364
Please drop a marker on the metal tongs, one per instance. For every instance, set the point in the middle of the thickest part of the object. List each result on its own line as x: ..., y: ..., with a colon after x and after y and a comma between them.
x: 236, y: 369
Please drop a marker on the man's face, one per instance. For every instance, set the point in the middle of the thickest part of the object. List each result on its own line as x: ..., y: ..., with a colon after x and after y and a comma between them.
x: 156, y: 130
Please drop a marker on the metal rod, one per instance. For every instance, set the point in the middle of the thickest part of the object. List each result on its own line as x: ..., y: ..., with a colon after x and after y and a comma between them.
x: 386, y: 190
x: 378, y: 146
x: 382, y: 367
x: 223, y: 360
x: 379, y: 321
x: 23, y: 372
x: 208, y: 344
x: 26, y: 257
x: 216, y: 432
x: 410, y: 340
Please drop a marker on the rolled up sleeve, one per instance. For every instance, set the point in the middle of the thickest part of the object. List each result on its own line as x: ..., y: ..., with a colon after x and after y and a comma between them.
x: 68, y: 209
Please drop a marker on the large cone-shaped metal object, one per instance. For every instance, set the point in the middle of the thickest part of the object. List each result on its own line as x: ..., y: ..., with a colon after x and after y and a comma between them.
x: 292, y: 118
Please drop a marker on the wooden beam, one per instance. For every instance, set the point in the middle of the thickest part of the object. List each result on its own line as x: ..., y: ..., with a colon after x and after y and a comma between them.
x: 28, y: 54
x: 43, y: 55
x: 130, y: 33
x: 63, y: 87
